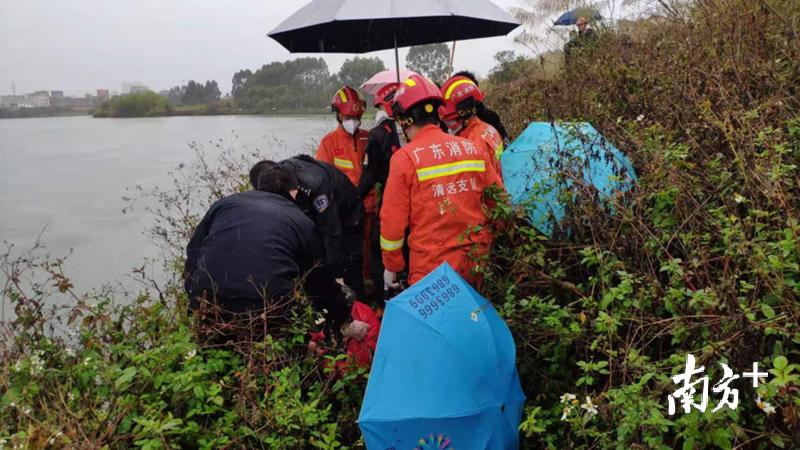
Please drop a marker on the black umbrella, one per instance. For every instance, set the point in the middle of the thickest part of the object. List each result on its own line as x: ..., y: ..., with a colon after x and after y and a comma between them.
x: 361, y: 26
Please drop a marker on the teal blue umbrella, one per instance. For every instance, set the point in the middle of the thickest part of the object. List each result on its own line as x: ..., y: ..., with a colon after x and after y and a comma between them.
x: 549, y: 162
x: 444, y: 375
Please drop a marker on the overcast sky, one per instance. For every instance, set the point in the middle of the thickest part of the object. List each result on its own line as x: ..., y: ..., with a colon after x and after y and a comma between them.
x: 82, y: 45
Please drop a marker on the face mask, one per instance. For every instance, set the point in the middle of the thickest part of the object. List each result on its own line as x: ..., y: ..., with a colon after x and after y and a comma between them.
x: 351, y: 125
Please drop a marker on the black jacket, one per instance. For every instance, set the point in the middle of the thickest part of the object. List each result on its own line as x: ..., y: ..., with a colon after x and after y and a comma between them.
x: 328, y: 197
x: 253, y: 244
x: 383, y: 142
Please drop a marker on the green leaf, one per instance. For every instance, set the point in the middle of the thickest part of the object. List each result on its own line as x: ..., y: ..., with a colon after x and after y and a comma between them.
x: 126, y: 377
x: 780, y: 362
x: 11, y: 395
x: 767, y: 310
x: 777, y: 441
x: 688, y: 444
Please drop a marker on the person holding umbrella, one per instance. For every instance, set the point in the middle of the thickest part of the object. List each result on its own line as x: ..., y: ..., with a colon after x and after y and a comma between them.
x: 462, y: 98
x: 384, y: 141
x: 435, y: 189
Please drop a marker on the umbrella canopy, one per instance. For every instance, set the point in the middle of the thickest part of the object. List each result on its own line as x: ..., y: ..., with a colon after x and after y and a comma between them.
x: 361, y: 26
x: 571, y: 17
x: 381, y: 79
x: 548, y: 162
x: 444, y: 373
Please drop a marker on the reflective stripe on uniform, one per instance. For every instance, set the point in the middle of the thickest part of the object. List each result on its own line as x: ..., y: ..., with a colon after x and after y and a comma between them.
x: 390, y: 246
x: 443, y: 170
x: 344, y: 163
x: 499, y: 150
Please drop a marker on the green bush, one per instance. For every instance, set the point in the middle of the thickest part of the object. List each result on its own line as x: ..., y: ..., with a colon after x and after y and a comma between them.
x: 701, y: 258
x: 140, y: 104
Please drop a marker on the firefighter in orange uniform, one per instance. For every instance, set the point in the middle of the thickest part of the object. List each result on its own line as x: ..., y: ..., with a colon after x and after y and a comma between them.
x: 435, y: 188
x: 345, y: 149
x: 459, y: 113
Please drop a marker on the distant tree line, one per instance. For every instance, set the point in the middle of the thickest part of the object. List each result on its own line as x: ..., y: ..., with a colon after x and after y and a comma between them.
x: 303, y: 84
x: 299, y: 85
x: 194, y: 93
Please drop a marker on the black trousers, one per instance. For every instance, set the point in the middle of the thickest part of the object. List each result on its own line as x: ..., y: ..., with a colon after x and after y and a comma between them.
x: 351, y: 260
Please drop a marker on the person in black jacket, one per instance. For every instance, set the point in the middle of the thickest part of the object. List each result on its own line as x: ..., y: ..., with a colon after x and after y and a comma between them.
x: 247, y: 257
x: 384, y: 141
x: 484, y: 113
x: 327, y: 197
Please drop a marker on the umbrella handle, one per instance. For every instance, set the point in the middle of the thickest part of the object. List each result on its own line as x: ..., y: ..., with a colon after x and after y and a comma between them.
x: 396, y: 59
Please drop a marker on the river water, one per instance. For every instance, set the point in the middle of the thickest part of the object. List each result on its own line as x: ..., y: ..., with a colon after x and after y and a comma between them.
x: 68, y: 176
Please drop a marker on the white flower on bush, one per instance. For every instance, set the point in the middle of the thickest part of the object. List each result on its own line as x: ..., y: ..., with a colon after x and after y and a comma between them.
x: 589, y: 407
x: 191, y: 354
x: 52, y: 440
x: 70, y: 352
x: 765, y: 406
x: 87, y: 360
x: 565, y: 412
x: 98, y: 380
x: 640, y: 118
x: 738, y: 198
x: 568, y: 398
x: 36, y: 364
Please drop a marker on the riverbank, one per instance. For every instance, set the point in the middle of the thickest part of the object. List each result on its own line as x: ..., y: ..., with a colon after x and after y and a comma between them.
x: 22, y: 113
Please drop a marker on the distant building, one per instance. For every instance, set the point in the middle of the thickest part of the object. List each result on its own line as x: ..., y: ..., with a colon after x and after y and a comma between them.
x: 132, y: 88
x: 39, y: 99
x: 56, y: 94
x: 11, y: 101
x: 102, y: 94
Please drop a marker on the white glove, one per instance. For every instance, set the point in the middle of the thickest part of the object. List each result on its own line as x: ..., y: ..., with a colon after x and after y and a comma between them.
x: 389, y: 280
x: 356, y: 329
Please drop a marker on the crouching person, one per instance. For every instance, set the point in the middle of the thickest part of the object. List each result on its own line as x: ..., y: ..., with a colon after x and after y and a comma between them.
x: 246, y: 259
x: 328, y: 198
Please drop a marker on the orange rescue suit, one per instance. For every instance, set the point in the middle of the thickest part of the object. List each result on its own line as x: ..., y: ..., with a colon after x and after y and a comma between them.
x: 486, y: 137
x: 346, y: 152
x: 435, y: 188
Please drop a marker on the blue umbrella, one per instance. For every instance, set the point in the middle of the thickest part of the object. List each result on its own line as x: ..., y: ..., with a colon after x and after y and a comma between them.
x: 548, y: 163
x: 444, y: 374
x: 571, y: 17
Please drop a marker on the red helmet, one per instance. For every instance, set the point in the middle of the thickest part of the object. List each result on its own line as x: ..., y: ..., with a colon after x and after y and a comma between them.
x: 455, y: 91
x: 348, y: 102
x: 415, y: 90
x: 385, y: 95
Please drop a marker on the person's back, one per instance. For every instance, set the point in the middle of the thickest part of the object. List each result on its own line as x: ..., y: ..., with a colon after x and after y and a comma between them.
x: 439, y: 180
x: 249, y: 246
x: 316, y: 177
